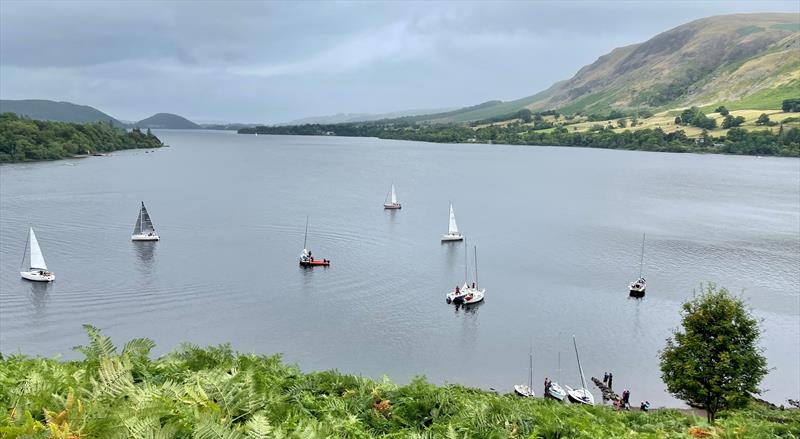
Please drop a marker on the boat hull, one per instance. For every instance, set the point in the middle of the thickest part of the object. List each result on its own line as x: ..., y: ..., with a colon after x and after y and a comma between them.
x: 448, y: 237
x: 35, y: 276
x: 556, y: 392
x: 145, y: 238
x: 392, y: 206
x: 472, y: 296
x: 523, y: 390
x: 315, y: 263
x: 580, y: 396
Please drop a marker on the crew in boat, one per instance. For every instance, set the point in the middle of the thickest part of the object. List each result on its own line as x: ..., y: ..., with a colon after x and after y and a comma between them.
x: 458, y: 290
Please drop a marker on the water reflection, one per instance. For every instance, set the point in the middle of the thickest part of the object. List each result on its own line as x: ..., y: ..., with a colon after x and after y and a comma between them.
x: 39, y: 297
x: 145, y: 251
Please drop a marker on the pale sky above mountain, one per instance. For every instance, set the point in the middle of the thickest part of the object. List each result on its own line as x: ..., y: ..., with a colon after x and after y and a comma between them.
x: 270, y: 62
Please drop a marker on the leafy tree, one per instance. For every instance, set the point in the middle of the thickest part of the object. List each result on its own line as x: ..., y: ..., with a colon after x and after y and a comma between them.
x: 525, y: 115
x: 678, y: 120
x: 763, y: 119
x: 714, y: 362
x: 791, y: 105
x: 722, y: 110
x: 622, y: 123
x: 731, y: 122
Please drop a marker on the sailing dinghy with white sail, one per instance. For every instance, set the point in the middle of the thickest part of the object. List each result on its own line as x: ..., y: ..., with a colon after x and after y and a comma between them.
x: 36, y: 267
x: 554, y: 390
x: 582, y: 395
x: 144, y: 230
x: 452, y: 229
x: 638, y: 288
x: 527, y: 390
x: 468, y: 294
x: 391, y: 200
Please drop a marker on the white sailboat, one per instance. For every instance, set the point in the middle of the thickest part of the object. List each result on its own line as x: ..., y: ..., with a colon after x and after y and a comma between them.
x: 452, y: 229
x: 469, y: 294
x: 555, y: 390
x: 582, y: 395
x: 391, y: 200
x: 37, y: 268
x: 637, y: 289
x: 144, y: 230
x: 527, y: 390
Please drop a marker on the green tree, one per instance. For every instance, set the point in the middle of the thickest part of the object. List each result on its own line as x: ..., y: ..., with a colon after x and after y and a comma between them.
x: 731, y: 122
x: 791, y: 105
x: 763, y: 119
x: 525, y: 115
x: 722, y: 110
x: 678, y: 120
x: 714, y: 362
x: 622, y: 123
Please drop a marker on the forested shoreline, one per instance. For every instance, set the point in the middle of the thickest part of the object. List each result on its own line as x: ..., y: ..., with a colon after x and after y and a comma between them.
x: 23, y: 139
x: 737, y: 141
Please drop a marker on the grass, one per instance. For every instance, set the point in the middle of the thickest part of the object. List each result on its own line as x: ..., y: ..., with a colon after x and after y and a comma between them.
x: 216, y: 393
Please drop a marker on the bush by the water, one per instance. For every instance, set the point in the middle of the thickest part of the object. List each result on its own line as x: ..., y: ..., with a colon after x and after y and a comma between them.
x: 24, y: 139
x: 215, y: 393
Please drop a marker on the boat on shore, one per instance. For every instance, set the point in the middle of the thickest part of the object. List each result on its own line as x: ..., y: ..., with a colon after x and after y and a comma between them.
x: 581, y: 395
x: 527, y: 390
x: 391, y: 200
x: 637, y: 289
x: 144, y: 230
x: 36, y: 267
x: 307, y: 258
x: 554, y: 390
x: 452, y: 229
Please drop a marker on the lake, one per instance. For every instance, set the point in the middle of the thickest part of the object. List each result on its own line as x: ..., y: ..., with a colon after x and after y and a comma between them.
x: 558, y: 232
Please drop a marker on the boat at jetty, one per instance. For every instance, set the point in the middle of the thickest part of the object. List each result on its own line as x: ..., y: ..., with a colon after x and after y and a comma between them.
x: 637, y: 289
x: 582, y: 395
x: 36, y: 267
x: 527, y: 390
x: 144, y: 230
x: 391, y: 200
x: 306, y: 258
x: 452, y: 229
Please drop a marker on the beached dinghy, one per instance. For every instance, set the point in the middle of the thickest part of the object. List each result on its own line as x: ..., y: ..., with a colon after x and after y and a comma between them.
x: 638, y: 288
x: 582, y: 395
x: 391, y: 200
x: 452, y: 229
x: 306, y: 258
x: 144, y: 230
x: 527, y: 390
x: 36, y: 267
x: 554, y: 390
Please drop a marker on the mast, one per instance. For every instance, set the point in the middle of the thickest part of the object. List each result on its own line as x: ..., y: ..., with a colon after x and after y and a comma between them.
x: 530, y: 370
x: 641, y: 261
x: 25, y: 252
x: 466, y: 263
x: 583, y: 380
x: 475, y: 252
x: 305, y: 238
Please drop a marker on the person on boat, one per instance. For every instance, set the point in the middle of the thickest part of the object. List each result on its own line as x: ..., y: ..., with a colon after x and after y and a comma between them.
x: 605, y: 377
x: 458, y: 290
x: 473, y: 285
x: 547, y: 383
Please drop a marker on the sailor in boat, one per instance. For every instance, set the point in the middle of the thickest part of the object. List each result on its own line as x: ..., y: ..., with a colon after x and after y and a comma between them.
x: 458, y: 290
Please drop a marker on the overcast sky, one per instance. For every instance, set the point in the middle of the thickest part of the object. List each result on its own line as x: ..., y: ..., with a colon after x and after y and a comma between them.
x: 273, y: 61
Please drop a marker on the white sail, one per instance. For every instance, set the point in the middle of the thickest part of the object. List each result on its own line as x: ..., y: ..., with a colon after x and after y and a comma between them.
x: 452, y: 229
x: 394, y: 195
x: 37, y: 258
x: 143, y: 223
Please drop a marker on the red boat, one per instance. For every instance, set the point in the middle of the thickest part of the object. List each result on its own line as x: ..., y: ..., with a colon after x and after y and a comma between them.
x: 315, y: 263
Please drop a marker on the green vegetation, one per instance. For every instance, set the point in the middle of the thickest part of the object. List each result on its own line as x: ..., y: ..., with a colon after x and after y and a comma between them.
x: 715, y: 362
x: 41, y: 109
x: 791, y: 105
x: 694, y: 117
x: 26, y: 140
x: 731, y: 121
x: 215, y: 393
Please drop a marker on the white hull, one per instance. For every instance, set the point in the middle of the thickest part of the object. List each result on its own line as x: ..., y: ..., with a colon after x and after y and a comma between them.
x: 463, y: 291
x: 152, y: 237
x: 638, y: 288
x: 524, y: 390
x: 468, y: 296
x: 454, y: 237
x: 555, y: 391
x: 392, y: 206
x: 580, y: 396
x: 36, y: 276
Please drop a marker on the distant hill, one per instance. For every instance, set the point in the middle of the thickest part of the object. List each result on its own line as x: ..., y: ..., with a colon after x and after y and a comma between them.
x: 743, y: 61
x: 361, y: 117
x: 167, y: 120
x: 40, y: 109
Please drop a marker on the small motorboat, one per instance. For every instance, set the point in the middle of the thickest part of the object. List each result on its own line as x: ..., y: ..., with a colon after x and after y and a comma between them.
x: 144, y: 230
x: 452, y: 229
x: 306, y: 258
x: 36, y: 267
x: 526, y: 390
x: 391, y: 200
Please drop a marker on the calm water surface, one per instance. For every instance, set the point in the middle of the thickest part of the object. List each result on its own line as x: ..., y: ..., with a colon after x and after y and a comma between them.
x: 558, y: 233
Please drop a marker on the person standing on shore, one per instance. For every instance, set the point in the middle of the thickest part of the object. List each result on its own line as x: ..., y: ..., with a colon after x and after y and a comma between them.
x: 605, y: 377
x: 610, y: 378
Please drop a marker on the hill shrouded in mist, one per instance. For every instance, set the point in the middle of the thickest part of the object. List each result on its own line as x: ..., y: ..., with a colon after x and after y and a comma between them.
x: 167, y: 120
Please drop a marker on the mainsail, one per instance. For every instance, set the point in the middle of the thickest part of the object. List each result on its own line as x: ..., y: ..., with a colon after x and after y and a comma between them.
x: 37, y: 258
x: 452, y: 229
x: 143, y: 223
x: 394, y: 195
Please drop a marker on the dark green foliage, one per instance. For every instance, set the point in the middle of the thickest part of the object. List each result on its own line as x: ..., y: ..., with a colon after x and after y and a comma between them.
x: 764, y: 120
x: 722, y: 110
x: 25, y: 140
x: 678, y: 120
x: 791, y: 105
x: 525, y: 115
x: 714, y: 362
x: 693, y: 116
x: 731, y: 122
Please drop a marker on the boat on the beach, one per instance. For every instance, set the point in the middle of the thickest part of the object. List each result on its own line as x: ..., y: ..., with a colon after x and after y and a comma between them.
x: 638, y: 288
x: 554, y: 390
x: 527, y: 390
x: 36, y: 267
x: 581, y: 395
x: 452, y: 229
x: 391, y: 200
x: 307, y: 258
x: 144, y: 230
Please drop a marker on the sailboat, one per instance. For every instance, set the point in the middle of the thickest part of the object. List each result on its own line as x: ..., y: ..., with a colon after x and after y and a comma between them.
x: 638, y: 288
x: 522, y: 389
x: 144, y: 230
x: 582, y: 395
x: 469, y: 294
x: 555, y: 390
x: 452, y: 229
x: 37, y: 268
x: 306, y: 258
x: 391, y: 200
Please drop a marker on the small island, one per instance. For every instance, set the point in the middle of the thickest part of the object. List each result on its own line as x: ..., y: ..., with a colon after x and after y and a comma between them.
x: 24, y: 140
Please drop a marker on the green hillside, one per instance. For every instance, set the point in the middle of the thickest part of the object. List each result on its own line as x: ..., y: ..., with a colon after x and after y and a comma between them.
x: 167, y: 120
x: 40, y: 109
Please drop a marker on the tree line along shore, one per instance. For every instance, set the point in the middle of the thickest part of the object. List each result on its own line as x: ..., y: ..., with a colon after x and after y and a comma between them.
x: 23, y: 139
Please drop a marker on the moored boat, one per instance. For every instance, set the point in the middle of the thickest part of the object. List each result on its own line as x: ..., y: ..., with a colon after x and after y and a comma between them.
x: 391, y: 200
x: 581, y: 395
x: 527, y: 390
x: 307, y: 258
x: 452, y: 229
x: 638, y: 288
x: 144, y: 230
x: 36, y: 267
